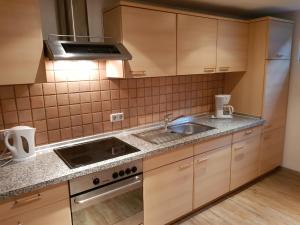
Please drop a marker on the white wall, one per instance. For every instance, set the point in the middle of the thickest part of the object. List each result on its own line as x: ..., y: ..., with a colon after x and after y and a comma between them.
x: 292, y: 140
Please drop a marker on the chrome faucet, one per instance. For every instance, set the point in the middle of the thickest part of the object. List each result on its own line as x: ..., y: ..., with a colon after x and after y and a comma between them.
x: 168, y: 119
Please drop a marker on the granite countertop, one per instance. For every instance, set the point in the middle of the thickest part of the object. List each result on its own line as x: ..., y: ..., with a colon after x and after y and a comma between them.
x: 48, y: 169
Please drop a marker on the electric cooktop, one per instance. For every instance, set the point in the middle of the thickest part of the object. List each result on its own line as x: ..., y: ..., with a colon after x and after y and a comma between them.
x: 93, y: 152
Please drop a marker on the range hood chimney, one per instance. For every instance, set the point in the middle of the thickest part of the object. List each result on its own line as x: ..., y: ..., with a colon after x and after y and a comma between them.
x: 74, y: 42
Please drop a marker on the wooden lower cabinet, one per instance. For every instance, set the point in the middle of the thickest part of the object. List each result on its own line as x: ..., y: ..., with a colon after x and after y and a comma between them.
x: 168, y: 192
x: 271, y: 150
x: 245, y: 161
x: 56, y: 213
x: 211, y: 175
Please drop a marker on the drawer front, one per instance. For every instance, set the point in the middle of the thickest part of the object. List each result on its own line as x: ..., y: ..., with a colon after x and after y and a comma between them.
x: 245, y: 161
x: 167, y: 158
x: 57, y: 213
x: 245, y: 134
x: 211, y: 175
x: 212, y: 144
x: 34, y: 200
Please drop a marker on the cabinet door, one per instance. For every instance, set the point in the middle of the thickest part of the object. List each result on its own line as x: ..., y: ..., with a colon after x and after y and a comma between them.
x: 168, y: 192
x: 232, y: 47
x: 196, y: 45
x: 150, y: 36
x: 271, y: 150
x: 276, y: 93
x: 280, y: 40
x: 211, y: 175
x: 245, y: 161
x: 21, y: 42
x: 57, y: 213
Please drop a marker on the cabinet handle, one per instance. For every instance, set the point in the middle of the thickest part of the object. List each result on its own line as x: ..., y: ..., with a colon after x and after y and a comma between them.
x: 199, y: 161
x: 21, y: 202
x: 138, y: 73
x: 224, y: 68
x: 268, y: 126
x: 248, y: 132
x: 182, y: 167
x: 239, y: 148
x: 279, y: 55
x: 209, y: 70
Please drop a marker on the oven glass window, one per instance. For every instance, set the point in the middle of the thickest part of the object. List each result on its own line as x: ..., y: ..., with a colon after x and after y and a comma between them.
x: 123, y: 209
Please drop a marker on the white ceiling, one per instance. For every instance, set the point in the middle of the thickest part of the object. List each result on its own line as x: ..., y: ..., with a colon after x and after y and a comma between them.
x: 243, y: 8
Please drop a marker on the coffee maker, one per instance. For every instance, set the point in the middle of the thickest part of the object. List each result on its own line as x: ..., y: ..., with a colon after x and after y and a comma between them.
x: 223, y: 109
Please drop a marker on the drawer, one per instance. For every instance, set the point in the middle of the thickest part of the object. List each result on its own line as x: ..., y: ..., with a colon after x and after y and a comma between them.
x: 245, y: 134
x: 167, y: 158
x: 34, y: 201
x: 57, y: 213
x: 212, y: 144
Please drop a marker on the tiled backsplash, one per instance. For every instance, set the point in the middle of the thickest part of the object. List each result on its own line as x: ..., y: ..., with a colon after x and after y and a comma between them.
x: 77, y: 100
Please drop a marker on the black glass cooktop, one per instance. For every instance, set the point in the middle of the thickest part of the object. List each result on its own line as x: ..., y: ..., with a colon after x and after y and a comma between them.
x: 93, y: 152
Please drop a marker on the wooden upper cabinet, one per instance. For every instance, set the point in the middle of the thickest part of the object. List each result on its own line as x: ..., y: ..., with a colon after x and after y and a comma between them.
x: 280, y: 40
x: 232, y: 46
x: 150, y: 36
x: 276, y: 93
x: 21, y: 55
x: 196, y: 45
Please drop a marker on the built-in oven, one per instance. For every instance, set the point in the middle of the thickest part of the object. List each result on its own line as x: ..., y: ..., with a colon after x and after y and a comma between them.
x: 110, y: 197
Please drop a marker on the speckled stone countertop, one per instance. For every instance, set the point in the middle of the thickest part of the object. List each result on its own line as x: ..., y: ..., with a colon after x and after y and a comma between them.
x: 48, y: 169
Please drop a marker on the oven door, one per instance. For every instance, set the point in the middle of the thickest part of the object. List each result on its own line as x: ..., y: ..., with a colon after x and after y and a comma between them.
x: 119, y: 203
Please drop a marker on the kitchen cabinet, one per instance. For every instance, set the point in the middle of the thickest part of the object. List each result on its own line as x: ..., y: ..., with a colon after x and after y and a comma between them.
x: 245, y: 161
x: 47, y: 206
x: 168, y: 192
x: 263, y: 90
x: 271, y: 153
x: 58, y: 213
x: 21, y: 56
x: 211, y: 175
x: 149, y: 35
x: 280, y: 37
x: 168, y: 158
x: 196, y: 45
x: 276, y: 93
x: 232, y: 46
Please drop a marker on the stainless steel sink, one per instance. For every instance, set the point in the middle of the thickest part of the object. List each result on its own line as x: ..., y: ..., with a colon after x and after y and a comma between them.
x: 189, y: 128
x: 174, y: 132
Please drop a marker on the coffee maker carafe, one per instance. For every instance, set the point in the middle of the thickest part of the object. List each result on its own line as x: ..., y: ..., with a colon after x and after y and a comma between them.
x: 223, y: 109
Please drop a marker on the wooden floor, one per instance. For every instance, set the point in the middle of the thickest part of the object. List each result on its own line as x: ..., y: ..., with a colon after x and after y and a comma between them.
x: 275, y: 200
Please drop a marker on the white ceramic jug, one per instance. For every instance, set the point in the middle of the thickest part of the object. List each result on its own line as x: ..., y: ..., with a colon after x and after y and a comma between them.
x: 23, y: 146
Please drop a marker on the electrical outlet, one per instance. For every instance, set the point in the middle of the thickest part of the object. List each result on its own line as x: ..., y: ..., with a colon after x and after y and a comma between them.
x: 116, y: 117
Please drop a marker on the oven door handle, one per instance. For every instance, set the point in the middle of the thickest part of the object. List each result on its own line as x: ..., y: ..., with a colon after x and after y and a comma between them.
x: 136, y: 183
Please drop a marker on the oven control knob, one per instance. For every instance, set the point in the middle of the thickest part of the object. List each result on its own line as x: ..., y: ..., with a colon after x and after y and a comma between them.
x: 121, y: 173
x: 128, y: 171
x: 134, y: 169
x: 96, y: 181
x: 115, y: 175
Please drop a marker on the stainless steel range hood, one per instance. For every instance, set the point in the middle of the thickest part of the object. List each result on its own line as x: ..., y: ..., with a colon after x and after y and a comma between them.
x: 64, y: 50
x: 76, y: 36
